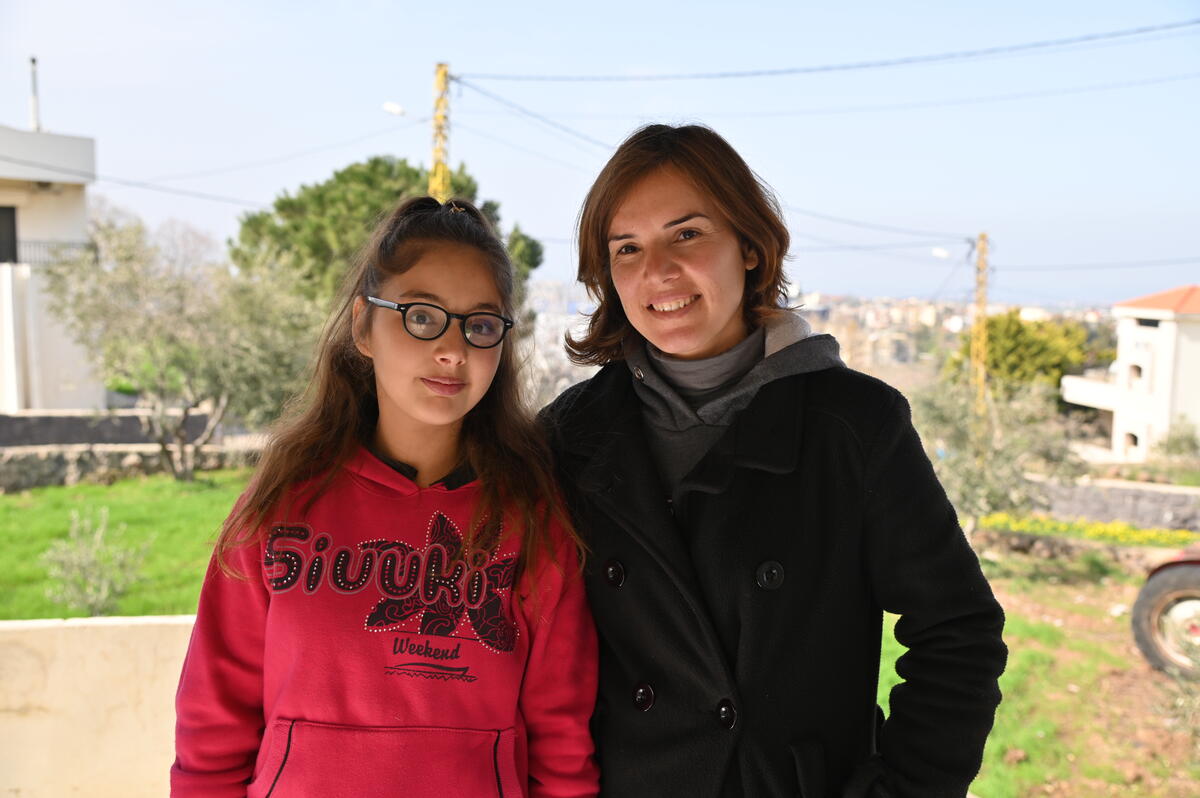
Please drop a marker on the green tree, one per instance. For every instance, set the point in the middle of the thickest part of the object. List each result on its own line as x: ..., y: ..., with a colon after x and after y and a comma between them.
x: 317, y: 230
x: 190, y: 334
x: 1000, y: 463
x: 1024, y: 352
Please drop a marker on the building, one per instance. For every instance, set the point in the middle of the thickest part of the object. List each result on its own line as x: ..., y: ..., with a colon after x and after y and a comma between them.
x: 1155, y: 379
x: 43, y: 213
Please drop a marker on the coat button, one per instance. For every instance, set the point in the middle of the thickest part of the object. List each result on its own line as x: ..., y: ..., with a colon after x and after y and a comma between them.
x: 643, y: 697
x: 614, y: 573
x: 726, y: 713
x: 769, y: 575
x: 637, y: 372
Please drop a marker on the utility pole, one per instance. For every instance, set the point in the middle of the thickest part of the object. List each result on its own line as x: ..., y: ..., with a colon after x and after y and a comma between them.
x: 439, y: 172
x: 979, y: 336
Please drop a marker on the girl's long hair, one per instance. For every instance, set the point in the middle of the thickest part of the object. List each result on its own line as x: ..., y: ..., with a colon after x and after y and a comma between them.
x: 337, y: 412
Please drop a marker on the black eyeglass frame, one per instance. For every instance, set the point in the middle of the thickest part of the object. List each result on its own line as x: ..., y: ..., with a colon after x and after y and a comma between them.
x: 403, y: 308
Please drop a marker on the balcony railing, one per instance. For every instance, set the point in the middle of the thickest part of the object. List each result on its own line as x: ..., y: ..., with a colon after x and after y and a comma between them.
x: 44, y: 253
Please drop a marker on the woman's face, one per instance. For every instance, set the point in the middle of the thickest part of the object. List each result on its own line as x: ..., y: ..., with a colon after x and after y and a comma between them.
x: 678, y: 267
x: 428, y: 384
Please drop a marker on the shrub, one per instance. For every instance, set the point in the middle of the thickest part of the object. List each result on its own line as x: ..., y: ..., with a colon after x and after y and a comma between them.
x: 88, y: 572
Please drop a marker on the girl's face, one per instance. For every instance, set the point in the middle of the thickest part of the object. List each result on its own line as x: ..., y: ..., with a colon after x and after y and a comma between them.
x: 423, y: 385
x: 678, y: 267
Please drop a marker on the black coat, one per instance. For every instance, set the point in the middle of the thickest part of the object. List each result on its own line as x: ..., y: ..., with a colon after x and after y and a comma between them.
x: 740, y: 630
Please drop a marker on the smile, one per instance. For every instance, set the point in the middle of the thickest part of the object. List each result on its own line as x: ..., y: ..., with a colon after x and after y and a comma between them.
x: 675, y: 304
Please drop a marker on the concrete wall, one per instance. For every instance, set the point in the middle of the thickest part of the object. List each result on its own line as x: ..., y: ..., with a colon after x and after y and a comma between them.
x: 87, y: 706
x: 1185, y: 402
x: 50, y: 428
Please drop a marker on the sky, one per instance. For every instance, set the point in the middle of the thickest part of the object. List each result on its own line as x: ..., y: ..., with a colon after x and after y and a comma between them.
x: 1065, y: 156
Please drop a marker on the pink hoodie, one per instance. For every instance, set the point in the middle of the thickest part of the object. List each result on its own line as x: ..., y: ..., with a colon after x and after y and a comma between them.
x: 368, y: 654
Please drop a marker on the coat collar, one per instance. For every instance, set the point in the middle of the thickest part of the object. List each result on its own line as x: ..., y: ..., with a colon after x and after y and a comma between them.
x: 606, y: 442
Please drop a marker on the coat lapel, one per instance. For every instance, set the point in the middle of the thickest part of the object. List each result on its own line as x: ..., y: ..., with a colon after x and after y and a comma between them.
x: 765, y: 436
x: 627, y: 488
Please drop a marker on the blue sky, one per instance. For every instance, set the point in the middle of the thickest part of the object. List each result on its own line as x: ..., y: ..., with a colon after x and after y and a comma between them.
x: 1108, y: 176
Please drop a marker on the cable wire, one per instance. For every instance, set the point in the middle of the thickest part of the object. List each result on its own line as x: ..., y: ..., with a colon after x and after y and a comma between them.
x: 134, y: 183
x: 1071, y: 267
x: 873, y: 226
x: 290, y: 157
x: 460, y: 126
x: 533, y: 115
x: 958, y: 55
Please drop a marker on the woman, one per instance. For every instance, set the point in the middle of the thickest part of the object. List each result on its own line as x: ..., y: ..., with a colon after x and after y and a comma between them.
x: 752, y: 506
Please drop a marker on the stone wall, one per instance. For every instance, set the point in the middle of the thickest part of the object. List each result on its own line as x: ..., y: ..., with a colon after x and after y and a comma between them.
x: 1144, y: 505
x: 44, y: 428
x: 24, y: 467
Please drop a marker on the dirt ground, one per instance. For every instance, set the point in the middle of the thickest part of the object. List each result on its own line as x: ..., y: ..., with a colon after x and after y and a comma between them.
x: 1118, y: 726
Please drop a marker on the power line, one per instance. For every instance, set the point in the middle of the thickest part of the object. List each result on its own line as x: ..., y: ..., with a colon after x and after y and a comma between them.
x: 905, y: 106
x: 290, y: 157
x: 1027, y: 95
x: 958, y: 55
x: 842, y: 247
x: 873, y: 226
x: 534, y: 115
x: 535, y: 153
x: 134, y: 183
x: 1053, y: 267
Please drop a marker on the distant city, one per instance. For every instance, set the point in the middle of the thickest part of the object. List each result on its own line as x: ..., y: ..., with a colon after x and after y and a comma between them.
x: 898, y: 340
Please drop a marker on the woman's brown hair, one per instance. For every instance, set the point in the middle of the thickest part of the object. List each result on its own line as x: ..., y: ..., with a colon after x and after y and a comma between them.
x: 321, y: 429
x: 714, y: 167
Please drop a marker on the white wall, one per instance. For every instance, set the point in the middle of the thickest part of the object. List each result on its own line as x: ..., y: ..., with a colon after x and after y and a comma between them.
x: 41, y: 367
x: 87, y: 705
x: 1185, y: 399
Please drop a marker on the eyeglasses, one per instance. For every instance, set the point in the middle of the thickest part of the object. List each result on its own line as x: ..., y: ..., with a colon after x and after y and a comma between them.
x: 425, y: 321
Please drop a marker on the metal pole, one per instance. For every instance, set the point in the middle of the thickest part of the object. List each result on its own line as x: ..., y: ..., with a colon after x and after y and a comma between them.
x: 35, y: 117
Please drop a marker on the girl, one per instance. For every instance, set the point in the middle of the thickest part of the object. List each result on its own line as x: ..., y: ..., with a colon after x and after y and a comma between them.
x: 392, y: 608
x: 751, y: 507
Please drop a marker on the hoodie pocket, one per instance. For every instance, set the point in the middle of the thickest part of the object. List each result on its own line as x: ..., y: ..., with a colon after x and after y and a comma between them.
x: 329, y: 760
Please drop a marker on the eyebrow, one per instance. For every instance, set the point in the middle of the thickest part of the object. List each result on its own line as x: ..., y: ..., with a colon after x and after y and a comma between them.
x: 672, y: 223
x: 425, y: 295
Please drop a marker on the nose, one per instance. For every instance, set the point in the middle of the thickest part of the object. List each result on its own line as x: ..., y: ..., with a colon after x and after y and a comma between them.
x: 660, y: 265
x: 451, y: 348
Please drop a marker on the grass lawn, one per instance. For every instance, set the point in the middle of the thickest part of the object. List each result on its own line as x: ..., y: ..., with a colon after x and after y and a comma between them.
x: 181, y: 520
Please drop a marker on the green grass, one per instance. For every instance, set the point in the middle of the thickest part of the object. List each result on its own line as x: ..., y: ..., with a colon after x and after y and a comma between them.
x: 181, y: 519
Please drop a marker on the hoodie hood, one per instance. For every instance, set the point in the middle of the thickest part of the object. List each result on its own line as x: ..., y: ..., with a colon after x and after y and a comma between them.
x: 789, y: 348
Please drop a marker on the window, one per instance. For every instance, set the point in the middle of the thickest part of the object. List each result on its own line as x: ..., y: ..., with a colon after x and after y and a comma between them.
x: 1131, y: 440
x: 1135, y: 372
x: 1147, y: 322
x: 8, y: 235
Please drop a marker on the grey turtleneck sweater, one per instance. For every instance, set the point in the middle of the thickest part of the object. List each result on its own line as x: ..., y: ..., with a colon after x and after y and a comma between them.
x: 687, y: 404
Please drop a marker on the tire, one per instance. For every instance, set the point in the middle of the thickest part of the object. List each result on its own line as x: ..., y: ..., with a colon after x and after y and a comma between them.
x: 1166, y: 620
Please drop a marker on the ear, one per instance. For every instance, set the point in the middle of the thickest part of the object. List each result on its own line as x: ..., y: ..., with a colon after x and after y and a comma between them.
x: 749, y: 257
x: 361, y: 342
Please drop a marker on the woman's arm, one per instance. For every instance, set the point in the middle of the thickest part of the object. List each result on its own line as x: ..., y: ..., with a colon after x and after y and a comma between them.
x: 559, y: 690
x: 922, y: 568
x: 219, y: 705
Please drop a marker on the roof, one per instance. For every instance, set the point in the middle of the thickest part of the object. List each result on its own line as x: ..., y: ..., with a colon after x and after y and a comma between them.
x: 1183, y: 300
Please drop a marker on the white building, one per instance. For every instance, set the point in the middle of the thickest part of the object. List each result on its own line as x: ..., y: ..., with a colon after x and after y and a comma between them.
x: 43, y: 211
x: 1155, y: 379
